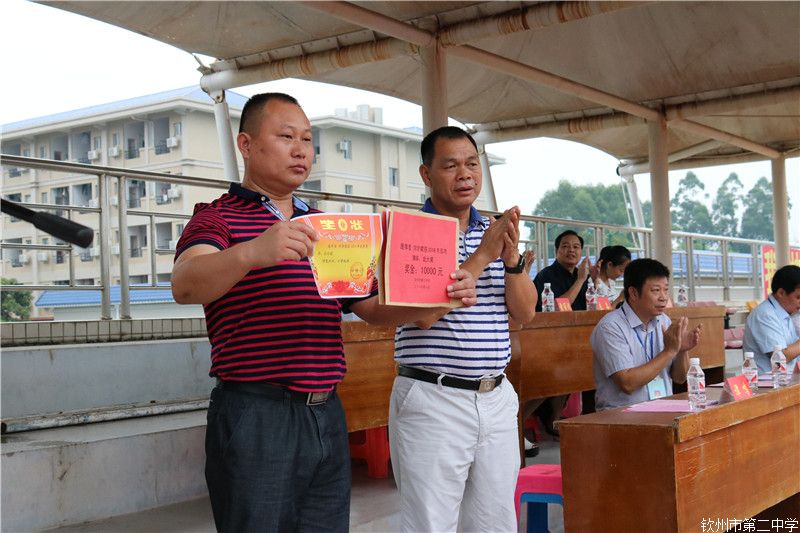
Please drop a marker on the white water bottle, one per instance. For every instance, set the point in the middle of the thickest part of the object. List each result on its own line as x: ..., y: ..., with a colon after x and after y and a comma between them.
x: 750, y: 371
x: 591, y: 296
x: 780, y: 376
x: 683, y: 296
x: 548, y: 299
x: 696, y: 384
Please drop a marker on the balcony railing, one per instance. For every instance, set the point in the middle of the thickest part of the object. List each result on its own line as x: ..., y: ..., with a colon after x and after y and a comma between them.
x: 720, y: 266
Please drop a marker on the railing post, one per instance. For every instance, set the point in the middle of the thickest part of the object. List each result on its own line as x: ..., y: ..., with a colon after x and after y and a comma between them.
x: 124, y: 277
x: 690, y: 267
x: 726, y: 282
x: 153, y: 271
x: 756, y: 271
x: 105, y: 248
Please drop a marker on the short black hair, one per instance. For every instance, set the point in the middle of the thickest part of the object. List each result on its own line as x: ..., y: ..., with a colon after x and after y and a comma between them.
x: 251, y: 113
x: 639, y: 271
x: 428, y: 145
x: 564, y: 234
x: 614, y: 255
x: 786, y: 278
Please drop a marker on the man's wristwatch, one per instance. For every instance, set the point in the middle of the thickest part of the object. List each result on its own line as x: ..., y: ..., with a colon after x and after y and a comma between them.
x: 516, y: 269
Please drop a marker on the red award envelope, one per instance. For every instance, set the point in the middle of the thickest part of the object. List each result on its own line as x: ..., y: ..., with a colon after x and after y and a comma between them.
x: 420, y: 252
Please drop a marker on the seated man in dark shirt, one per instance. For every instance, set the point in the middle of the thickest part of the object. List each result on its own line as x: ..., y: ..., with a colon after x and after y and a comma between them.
x: 567, y: 277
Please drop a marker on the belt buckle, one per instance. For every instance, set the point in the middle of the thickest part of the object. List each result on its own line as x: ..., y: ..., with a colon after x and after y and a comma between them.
x: 317, y: 398
x: 487, y: 385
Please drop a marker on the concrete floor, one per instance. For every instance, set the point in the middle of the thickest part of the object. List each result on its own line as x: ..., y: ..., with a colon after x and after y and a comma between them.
x: 374, y: 508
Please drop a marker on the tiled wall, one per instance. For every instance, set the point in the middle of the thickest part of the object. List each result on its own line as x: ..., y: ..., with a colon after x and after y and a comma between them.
x: 89, y: 331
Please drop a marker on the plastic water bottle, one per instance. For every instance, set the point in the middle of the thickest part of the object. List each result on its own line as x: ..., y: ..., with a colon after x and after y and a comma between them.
x: 591, y: 296
x: 683, y: 296
x: 696, y: 383
x: 750, y: 371
x: 780, y: 375
x: 548, y: 299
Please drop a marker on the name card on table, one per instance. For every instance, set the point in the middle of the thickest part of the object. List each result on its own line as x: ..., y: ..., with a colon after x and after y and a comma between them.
x: 563, y: 304
x: 603, y: 304
x: 738, y: 388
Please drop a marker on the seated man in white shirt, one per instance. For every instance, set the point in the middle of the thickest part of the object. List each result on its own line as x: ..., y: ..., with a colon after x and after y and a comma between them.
x: 639, y: 351
x: 770, y: 324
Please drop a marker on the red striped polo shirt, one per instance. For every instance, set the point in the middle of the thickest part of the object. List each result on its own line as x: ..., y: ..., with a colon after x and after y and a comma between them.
x: 272, y: 325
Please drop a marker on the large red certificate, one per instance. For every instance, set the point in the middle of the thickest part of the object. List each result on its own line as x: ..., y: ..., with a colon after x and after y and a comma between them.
x: 421, y: 250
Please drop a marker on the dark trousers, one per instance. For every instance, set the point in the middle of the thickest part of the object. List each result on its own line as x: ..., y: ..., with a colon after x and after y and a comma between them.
x: 277, y: 465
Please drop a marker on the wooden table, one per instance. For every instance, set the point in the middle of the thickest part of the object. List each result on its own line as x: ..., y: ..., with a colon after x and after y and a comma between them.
x: 669, y: 471
x: 549, y: 356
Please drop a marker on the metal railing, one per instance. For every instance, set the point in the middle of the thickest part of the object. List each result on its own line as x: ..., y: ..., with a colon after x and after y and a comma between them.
x: 116, y: 179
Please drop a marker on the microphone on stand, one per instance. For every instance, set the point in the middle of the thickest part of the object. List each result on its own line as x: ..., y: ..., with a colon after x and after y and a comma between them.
x: 58, y: 227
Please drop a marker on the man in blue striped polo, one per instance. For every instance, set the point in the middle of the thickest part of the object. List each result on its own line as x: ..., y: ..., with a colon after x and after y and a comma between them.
x: 453, y: 417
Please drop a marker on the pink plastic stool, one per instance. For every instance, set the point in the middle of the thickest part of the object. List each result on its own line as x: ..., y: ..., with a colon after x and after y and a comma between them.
x: 573, y: 406
x: 538, y: 485
x: 372, y: 445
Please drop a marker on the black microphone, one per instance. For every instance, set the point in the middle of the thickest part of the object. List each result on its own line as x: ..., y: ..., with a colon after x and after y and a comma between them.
x: 58, y: 227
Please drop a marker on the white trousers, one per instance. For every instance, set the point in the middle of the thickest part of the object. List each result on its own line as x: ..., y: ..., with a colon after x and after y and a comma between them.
x: 454, y: 453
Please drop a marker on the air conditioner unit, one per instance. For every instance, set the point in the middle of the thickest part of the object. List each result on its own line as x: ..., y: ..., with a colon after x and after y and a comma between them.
x: 24, y: 259
x: 174, y: 192
x: 93, y: 203
x: 114, y: 200
x: 93, y: 155
x: 173, y: 142
x: 43, y: 257
x: 173, y: 244
x: 114, y: 151
x: 95, y: 251
x: 164, y: 198
x: 115, y: 249
x: 341, y: 146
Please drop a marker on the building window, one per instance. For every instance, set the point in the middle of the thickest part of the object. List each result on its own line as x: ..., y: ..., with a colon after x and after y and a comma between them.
x: 345, y: 146
x: 136, y: 191
x: 42, y: 152
x: 26, y: 152
x: 44, y: 197
x: 160, y: 135
x: 422, y: 197
x: 96, y: 143
x: 176, y: 129
x: 81, y: 144
x: 134, y: 139
x: 348, y: 189
x: 59, y: 148
x: 14, y: 198
x: 394, y: 177
x: 115, y: 139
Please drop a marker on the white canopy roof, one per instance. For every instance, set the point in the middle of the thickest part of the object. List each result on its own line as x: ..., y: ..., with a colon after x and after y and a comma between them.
x: 730, y: 66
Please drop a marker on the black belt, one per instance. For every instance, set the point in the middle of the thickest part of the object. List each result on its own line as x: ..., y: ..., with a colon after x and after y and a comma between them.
x: 276, y: 392
x: 480, y: 385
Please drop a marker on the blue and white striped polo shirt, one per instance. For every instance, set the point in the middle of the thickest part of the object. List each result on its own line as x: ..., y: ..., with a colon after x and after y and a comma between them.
x: 470, y: 342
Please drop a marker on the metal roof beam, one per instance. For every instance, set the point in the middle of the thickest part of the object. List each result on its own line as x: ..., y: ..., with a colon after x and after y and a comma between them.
x: 714, y: 133
x: 531, y: 18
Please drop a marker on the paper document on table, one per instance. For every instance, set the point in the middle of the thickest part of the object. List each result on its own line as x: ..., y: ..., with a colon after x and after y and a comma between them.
x: 661, y: 406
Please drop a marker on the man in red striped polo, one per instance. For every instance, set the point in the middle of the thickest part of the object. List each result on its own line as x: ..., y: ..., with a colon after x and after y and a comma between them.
x: 276, y: 443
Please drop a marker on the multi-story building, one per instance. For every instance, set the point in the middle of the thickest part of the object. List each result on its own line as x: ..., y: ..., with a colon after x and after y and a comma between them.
x: 174, y: 132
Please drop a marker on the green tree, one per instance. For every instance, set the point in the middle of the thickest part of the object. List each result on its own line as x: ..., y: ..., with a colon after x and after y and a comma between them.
x: 726, y: 206
x: 689, y: 212
x: 591, y: 203
x: 757, y: 221
x: 16, y: 305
